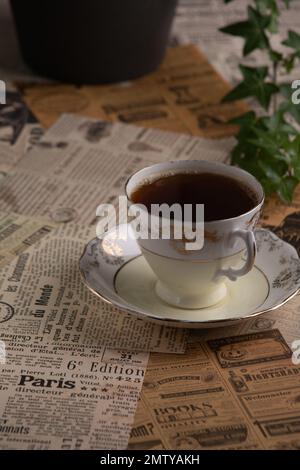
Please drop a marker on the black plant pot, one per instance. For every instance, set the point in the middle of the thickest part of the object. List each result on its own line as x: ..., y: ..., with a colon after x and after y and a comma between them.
x: 93, y: 41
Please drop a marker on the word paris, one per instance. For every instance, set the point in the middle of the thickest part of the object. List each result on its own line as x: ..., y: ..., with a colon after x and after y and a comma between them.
x: 296, y: 93
x: 163, y: 221
x: 151, y: 459
x: 2, y: 92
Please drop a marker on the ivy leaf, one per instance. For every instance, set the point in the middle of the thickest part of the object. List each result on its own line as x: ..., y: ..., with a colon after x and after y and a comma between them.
x: 286, y: 90
x: 245, y: 154
x: 252, y: 30
x: 277, y: 125
x: 247, y: 119
x: 265, y: 140
x: 269, y: 6
x: 253, y: 85
x: 265, y: 149
x: 273, y: 25
x: 270, y: 171
x: 288, y: 62
x: 245, y: 123
x: 287, y: 188
x: 275, y: 139
x: 246, y: 161
x: 269, y: 186
x: 293, y: 42
x: 275, y: 56
x: 265, y: 5
x: 267, y: 146
x: 270, y: 156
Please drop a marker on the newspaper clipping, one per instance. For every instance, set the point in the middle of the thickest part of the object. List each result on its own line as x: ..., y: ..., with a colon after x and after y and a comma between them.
x: 18, y: 233
x: 234, y: 392
x: 56, y: 345
x: 83, y: 360
x: 76, y: 166
x: 64, y: 397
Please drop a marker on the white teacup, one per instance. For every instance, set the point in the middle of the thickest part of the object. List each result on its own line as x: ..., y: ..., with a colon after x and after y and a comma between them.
x: 197, y: 279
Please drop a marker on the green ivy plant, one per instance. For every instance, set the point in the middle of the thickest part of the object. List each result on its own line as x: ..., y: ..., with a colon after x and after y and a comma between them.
x: 268, y: 145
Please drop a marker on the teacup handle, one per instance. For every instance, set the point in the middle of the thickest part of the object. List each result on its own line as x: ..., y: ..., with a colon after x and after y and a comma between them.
x: 249, y: 239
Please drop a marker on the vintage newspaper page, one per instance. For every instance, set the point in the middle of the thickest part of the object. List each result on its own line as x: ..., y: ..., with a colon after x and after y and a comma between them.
x: 183, y: 95
x: 61, y: 385
x: 234, y: 392
x: 42, y: 295
x: 18, y: 233
x: 58, y: 396
x: 82, y: 162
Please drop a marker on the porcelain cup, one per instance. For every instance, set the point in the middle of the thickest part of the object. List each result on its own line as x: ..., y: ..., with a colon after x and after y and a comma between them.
x: 198, y: 278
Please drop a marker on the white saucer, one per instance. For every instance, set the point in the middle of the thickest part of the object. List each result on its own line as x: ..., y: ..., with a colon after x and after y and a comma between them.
x: 115, y: 270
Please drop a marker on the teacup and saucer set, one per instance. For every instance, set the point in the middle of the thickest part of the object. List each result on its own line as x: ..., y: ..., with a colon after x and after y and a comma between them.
x: 240, y: 272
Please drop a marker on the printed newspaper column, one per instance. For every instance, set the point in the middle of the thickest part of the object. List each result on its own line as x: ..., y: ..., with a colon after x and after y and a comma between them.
x: 18, y: 233
x: 237, y: 392
x: 81, y: 163
x: 67, y: 397
x: 60, y: 387
x: 42, y: 295
x: 260, y: 371
x: 186, y: 404
x: 54, y: 332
